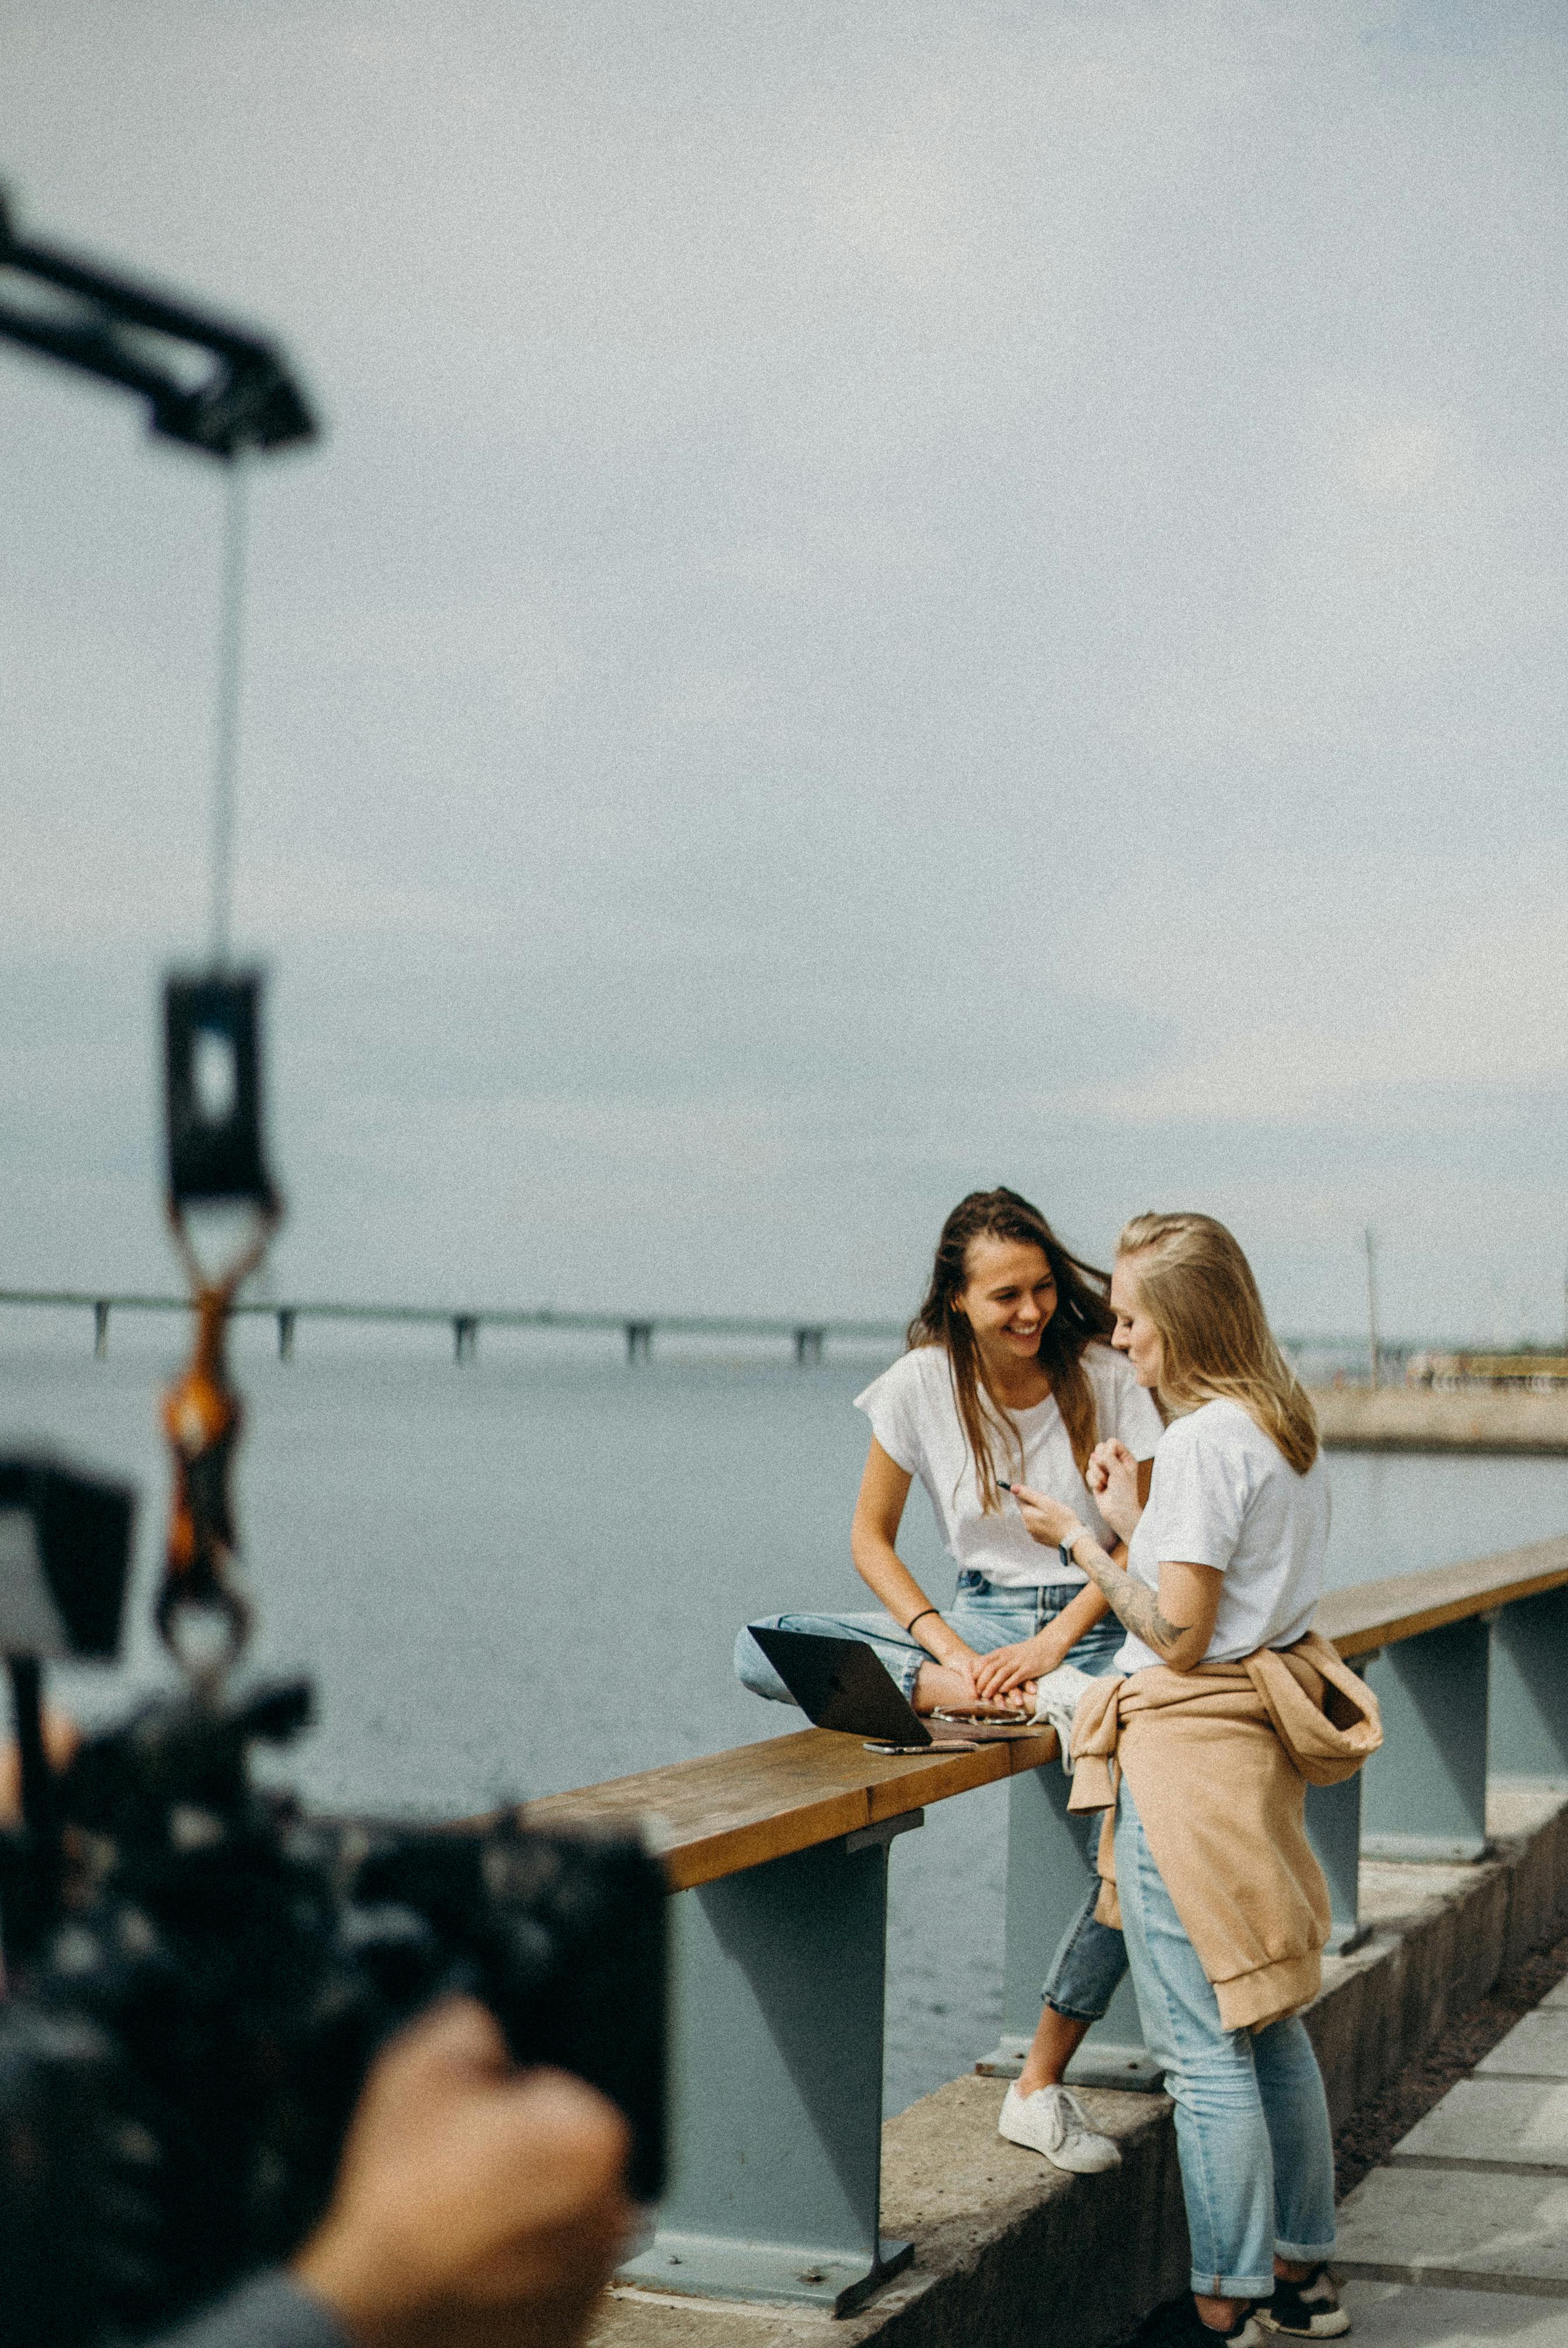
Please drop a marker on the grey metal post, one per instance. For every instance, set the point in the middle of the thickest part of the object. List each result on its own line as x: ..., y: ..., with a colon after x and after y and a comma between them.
x: 286, y: 1335
x: 1529, y: 1697
x: 776, y: 2070
x: 100, y: 1330
x: 1049, y: 1874
x: 1372, y: 1300
x: 1425, y: 1793
x: 1334, y: 1830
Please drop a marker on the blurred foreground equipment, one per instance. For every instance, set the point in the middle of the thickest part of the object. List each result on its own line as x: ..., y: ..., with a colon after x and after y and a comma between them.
x: 206, y: 381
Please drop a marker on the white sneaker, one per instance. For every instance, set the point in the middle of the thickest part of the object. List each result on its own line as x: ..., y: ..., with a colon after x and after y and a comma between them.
x: 1056, y: 1697
x: 1054, y: 2122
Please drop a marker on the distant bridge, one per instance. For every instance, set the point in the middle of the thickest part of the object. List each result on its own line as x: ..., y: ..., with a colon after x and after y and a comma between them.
x: 808, y: 1337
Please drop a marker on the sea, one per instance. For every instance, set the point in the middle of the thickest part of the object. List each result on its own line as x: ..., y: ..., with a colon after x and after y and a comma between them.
x: 527, y: 1573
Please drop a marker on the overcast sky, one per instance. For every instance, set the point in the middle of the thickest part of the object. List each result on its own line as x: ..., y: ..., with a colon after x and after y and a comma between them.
x: 896, y: 597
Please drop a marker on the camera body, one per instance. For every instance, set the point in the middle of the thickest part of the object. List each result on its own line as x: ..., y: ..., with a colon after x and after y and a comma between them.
x: 188, y: 2040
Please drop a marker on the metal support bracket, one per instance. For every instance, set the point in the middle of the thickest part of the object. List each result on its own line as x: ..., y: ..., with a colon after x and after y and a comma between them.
x: 1050, y: 1872
x: 879, y: 1837
x: 777, y: 1991
x: 1334, y: 1830
x: 1425, y: 1793
x: 1529, y: 1693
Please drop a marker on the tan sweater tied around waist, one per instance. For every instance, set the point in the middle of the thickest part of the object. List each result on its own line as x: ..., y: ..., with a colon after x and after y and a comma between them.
x: 1219, y: 1761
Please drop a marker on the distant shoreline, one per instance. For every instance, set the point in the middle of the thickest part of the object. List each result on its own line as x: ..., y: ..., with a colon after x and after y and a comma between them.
x: 1415, y: 1418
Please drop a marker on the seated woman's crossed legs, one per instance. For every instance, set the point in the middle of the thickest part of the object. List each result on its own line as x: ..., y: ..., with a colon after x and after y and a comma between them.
x: 984, y: 1615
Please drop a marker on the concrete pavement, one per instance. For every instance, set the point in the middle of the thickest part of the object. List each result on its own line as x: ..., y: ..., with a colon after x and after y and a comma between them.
x: 1461, y: 2236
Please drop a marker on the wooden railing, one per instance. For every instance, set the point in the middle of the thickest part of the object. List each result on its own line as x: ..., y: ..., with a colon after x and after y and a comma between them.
x: 777, y: 1858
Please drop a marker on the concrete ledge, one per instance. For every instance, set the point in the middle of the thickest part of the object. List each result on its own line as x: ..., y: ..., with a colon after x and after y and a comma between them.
x: 1011, y: 2253
x: 1417, y: 1418
x: 1442, y: 1937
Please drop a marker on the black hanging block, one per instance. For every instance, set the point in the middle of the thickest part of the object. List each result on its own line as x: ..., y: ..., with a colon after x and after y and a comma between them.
x: 212, y: 1070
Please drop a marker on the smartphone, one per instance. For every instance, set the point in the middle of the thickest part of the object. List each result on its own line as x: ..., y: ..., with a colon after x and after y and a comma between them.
x: 938, y: 1744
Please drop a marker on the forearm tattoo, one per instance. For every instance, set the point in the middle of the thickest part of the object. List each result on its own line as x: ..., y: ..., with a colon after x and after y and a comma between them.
x: 1132, y: 1603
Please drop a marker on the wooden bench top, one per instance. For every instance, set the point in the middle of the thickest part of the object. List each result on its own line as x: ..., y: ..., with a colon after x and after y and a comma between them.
x: 1376, y: 1613
x: 726, y: 1811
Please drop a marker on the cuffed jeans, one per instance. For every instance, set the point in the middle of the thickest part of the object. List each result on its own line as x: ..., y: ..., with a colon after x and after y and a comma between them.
x: 1091, y: 1960
x: 1252, y: 2122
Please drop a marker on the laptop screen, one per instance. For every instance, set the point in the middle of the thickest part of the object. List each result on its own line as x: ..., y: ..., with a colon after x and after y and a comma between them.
x: 842, y: 1684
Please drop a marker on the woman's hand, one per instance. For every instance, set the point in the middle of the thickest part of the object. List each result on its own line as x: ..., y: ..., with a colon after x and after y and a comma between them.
x: 1048, y: 1521
x: 950, y: 1684
x: 1113, y: 1477
x: 1007, y: 1669
x: 955, y: 1656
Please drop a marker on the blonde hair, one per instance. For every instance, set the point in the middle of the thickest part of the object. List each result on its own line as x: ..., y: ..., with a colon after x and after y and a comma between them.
x: 1197, y: 1288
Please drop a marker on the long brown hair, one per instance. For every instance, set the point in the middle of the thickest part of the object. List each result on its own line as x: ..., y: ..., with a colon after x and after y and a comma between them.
x: 1081, y: 1316
x: 1197, y: 1287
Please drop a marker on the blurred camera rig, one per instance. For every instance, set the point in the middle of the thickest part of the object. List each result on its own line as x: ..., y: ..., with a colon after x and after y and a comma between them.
x: 199, y: 1974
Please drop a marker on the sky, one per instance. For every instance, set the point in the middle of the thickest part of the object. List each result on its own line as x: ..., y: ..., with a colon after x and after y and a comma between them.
x: 893, y: 598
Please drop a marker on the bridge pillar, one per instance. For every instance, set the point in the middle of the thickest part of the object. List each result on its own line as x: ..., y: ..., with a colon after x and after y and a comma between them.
x: 640, y: 1340
x: 286, y: 1335
x: 101, y: 1330
x: 775, y: 2066
x: 1424, y: 1794
x: 1529, y: 1696
x: 465, y: 1337
x: 809, y: 1345
x: 1051, y: 1868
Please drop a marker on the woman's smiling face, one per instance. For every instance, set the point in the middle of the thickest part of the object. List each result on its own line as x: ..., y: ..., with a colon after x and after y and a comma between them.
x: 1008, y: 1296
x: 1134, y: 1334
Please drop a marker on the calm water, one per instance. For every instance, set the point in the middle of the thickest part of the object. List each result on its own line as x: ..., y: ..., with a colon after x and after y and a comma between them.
x: 527, y: 1574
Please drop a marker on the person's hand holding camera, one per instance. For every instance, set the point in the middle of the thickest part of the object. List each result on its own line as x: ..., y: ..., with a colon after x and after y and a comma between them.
x: 476, y: 2206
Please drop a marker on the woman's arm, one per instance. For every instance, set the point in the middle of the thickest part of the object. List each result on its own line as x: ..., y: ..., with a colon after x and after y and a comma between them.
x: 1121, y: 1486
x: 878, y: 1513
x: 1177, y: 1621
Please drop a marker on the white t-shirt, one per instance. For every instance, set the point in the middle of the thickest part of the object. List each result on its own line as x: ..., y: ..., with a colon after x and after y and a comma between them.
x: 1223, y: 1495
x: 915, y: 1417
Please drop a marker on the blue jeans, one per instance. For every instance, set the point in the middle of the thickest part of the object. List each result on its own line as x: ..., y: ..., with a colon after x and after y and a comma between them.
x: 1252, y: 2123
x: 1092, y: 1958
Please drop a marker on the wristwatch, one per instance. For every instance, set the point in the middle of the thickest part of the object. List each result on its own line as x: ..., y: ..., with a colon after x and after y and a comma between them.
x: 1065, y: 1550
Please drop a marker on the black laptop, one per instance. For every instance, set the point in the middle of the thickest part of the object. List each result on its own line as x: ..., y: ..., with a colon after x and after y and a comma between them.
x: 844, y: 1683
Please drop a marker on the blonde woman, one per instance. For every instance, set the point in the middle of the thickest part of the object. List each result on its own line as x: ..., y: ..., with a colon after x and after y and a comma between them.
x: 1226, y: 1706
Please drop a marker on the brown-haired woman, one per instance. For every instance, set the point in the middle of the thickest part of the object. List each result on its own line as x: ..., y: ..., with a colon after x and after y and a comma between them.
x: 1008, y: 1379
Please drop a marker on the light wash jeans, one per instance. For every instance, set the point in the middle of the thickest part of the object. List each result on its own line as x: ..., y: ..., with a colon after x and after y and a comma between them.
x: 1092, y: 1958
x: 1252, y: 2123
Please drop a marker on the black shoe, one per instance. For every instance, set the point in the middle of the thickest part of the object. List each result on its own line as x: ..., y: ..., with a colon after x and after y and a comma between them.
x: 1305, y: 2311
x: 1179, y: 2325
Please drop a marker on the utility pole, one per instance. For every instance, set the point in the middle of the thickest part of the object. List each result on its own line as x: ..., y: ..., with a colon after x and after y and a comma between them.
x: 1371, y: 1246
